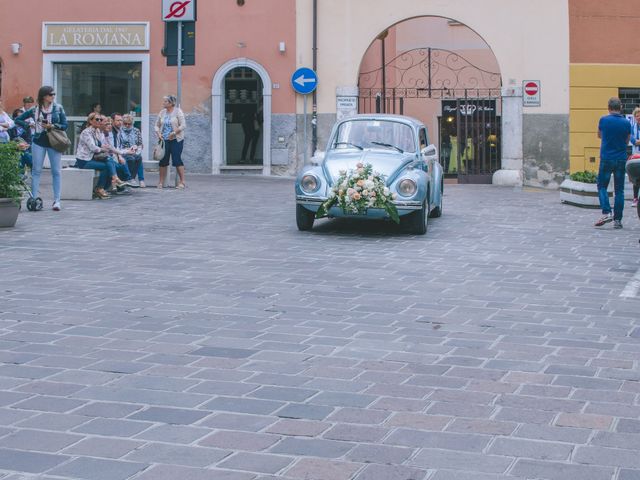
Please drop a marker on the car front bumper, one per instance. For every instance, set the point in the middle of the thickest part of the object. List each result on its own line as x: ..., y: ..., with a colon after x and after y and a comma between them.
x: 313, y: 203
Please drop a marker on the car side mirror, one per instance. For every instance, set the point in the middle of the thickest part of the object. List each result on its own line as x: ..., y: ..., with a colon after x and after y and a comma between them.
x: 430, y: 151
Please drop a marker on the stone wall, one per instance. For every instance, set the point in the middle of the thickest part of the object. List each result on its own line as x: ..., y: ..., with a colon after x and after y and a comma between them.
x: 287, y: 133
x: 197, y: 143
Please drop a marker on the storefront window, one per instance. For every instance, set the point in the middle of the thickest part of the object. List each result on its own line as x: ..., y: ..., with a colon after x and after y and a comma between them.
x: 116, y: 87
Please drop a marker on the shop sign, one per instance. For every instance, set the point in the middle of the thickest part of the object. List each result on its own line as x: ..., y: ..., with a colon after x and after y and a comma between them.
x: 474, y: 108
x: 95, y: 36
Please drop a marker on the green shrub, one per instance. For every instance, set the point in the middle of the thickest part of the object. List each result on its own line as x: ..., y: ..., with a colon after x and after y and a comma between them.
x: 10, y: 179
x: 585, y: 177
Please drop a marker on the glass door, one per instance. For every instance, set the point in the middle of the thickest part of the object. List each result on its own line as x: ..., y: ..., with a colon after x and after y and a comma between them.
x: 116, y: 86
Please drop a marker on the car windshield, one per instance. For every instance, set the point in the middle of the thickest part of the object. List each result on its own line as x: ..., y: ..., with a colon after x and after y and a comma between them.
x: 375, y: 134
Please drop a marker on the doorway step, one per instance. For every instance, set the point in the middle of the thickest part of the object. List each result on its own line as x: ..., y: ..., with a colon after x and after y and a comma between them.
x: 241, y: 169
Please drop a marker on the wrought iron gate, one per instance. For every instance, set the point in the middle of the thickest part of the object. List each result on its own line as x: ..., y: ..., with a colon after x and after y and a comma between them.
x: 469, y: 124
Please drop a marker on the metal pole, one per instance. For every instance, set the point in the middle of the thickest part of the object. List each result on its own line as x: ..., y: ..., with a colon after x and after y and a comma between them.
x: 314, y: 106
x: 429, y: 71
x: 304, y: 142
x: 179, y: 95
x: 179, y: 63
x: 384, y: 78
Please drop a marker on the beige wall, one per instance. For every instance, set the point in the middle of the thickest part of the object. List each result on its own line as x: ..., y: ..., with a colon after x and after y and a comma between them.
x: 529, y: 39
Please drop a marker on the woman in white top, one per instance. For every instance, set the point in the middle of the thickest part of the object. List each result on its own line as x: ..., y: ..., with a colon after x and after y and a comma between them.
x: 93, y: 153
x: 6, y: 124
x: 170, y: 127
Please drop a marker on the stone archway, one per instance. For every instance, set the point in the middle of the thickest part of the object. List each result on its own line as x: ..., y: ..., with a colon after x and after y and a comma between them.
x: 218, y: 113
x: 511, y: 29
x: 443, y: 73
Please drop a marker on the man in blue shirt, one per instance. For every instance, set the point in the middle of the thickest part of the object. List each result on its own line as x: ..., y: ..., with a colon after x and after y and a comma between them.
x: 615, y: 131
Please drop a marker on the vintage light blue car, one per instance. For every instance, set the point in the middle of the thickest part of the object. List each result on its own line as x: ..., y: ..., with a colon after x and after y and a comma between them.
x: 395, y: 146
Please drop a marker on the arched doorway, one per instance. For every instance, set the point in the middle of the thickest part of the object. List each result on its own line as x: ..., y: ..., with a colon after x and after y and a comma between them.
x: 241, y: 101
x: 443, y: 73
x: 244, y: 118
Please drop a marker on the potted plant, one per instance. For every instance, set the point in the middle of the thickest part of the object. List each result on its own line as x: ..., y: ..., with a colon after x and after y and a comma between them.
x: 581, y: 189
x: 11, y: 186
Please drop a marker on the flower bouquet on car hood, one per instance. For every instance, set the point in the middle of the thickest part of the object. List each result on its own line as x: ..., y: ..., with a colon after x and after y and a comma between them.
x: 358, y: 190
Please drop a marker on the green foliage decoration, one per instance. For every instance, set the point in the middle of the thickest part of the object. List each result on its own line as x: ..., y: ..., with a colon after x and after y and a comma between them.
x: 584, y: 177
x: 11, y: 185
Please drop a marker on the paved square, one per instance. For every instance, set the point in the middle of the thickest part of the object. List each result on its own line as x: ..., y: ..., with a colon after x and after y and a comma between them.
x: 197, y: 334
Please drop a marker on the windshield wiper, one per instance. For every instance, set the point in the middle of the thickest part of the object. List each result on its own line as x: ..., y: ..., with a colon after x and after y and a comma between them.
x: 388, y: 145
x: 349, y: 143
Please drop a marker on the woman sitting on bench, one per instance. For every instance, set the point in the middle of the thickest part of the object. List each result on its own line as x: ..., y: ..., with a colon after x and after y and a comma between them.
x: 93, y: 153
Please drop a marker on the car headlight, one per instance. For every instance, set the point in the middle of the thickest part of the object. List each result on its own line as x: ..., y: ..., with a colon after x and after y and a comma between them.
x: 309, y: 183
x: 407, y: 187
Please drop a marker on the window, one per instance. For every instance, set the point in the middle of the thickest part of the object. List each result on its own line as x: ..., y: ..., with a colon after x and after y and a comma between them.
x: 424, y: 140
x: 373, y: 133
x: 115, y: 86
x: 630, y: 98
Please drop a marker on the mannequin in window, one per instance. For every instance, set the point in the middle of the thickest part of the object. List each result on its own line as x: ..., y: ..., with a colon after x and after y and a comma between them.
x: 468, y: 154
x: 453, y: 157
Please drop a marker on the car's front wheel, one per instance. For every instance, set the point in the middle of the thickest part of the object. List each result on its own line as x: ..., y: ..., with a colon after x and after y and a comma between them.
x: 417, y: 222
x: 304, y: 218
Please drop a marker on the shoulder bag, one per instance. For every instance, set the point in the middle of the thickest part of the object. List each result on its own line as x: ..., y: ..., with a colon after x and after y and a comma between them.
x: 58, y: 139
x: 159, y: 150
x: 99, y: 156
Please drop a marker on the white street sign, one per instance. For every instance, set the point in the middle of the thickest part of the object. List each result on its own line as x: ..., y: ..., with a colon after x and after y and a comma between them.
x: 531, y: 93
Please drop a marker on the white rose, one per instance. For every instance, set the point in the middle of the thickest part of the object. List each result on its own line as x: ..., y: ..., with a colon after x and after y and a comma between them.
x: 385, y: 190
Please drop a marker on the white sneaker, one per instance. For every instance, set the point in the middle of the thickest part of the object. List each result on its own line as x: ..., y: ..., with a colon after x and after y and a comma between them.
x: 56, y: 207
x: 606, y: 218
x: 141, y: 184
x: 134, y: 183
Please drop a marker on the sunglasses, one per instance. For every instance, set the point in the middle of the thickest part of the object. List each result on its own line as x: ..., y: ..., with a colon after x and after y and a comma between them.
x: 127, y: 124
x: 98, y: 119
x: 51, y: 94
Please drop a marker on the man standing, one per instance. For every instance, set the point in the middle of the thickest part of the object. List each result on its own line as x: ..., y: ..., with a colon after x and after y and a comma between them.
x: 615, y: 131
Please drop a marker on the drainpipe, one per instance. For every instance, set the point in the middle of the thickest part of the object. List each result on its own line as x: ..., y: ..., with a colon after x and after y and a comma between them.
x: 314, y: 115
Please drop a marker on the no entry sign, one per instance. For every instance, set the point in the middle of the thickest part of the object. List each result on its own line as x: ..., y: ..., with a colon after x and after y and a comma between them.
x: 531, y: 93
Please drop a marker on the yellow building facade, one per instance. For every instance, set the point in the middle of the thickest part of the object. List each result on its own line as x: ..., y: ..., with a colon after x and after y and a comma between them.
x: 591, y: 87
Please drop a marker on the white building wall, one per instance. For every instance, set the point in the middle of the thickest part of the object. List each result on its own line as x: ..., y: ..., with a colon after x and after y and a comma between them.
x: 530, y: 40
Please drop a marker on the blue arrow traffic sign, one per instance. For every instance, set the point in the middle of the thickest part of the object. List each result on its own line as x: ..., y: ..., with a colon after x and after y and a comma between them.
x: 304, y: 80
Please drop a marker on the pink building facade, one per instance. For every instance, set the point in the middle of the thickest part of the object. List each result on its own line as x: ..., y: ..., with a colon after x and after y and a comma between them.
x: 113, y: 54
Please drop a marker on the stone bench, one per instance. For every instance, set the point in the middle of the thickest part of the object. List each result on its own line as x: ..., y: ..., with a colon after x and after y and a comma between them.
x: 78, y: 183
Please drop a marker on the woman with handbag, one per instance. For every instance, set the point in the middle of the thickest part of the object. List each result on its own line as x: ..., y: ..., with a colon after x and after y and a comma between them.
x: 50, y: 121
x: 93, y: 153
x: 170, y: 127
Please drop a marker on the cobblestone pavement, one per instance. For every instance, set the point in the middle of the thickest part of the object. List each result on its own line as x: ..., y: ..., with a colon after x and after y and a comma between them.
x: 198, y: 335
